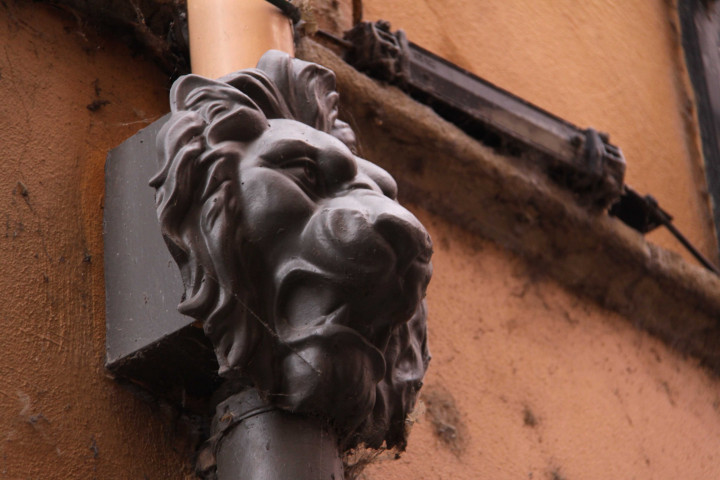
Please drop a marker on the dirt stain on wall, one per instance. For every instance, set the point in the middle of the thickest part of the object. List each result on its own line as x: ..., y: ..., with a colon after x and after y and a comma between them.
x: 447, y: 420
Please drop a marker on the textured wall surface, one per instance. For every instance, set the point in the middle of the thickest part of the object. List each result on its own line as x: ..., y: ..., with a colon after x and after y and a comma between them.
x: 527, y: 381
x: 530, y: 382
x: 66, y: 98
x: 614, y: 65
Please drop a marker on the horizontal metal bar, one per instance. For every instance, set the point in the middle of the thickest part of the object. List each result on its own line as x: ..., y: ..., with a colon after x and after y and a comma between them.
x: 582, y: 160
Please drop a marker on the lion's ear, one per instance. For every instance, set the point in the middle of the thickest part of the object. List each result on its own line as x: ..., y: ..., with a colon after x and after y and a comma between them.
x: 209, y: 97
x: 235, y: 107
x: 239, y: 124
x: 182, y: 89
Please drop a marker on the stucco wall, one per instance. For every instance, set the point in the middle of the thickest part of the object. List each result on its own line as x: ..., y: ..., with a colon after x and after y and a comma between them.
x: 527, y: 381
x: 614, y: 65
x: 530, y: 382
x: 61, y: 417
x: 547, y: 385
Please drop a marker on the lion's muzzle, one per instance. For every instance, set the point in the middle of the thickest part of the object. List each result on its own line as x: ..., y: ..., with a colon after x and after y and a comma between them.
x: 366, y: 233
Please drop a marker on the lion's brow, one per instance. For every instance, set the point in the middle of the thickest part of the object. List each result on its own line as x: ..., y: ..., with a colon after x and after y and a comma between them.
x: 289, y: 148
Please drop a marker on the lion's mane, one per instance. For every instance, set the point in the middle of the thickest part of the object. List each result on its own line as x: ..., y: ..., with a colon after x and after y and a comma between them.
x: 198, y: 205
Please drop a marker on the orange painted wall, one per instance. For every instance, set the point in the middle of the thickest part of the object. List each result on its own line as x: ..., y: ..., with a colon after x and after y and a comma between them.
x: 530, y: 382
x: 541, y: 384
x: 614, y: 65
x: 61, y: 416
x: 527, y: 380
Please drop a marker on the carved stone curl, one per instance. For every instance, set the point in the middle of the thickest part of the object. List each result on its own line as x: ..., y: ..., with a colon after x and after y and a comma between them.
x: 307, y: 274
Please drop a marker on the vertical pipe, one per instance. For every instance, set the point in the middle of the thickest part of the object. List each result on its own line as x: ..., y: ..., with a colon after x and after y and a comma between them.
x: 265, y: 443
x: 255, y: 441
x: 277, y: 445
x: 229, y: 35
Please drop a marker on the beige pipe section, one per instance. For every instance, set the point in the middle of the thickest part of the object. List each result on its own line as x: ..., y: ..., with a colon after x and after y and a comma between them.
x: 229, y: 35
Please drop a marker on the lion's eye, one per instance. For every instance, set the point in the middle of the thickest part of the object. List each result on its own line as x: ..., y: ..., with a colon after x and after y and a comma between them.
x: 305, y: 171
x: 310, y: 173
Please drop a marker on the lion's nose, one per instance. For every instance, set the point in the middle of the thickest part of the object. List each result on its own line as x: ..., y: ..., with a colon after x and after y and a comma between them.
x: 407, y: 237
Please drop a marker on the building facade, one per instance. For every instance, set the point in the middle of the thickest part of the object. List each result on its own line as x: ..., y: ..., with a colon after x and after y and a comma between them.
x: 565, y: 345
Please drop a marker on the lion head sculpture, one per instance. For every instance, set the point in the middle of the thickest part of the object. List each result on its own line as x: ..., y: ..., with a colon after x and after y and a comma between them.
x: 307, y: 274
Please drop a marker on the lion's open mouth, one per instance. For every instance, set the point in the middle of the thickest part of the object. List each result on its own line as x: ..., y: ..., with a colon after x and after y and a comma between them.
x: 357, y: 277
x: 370, y: 301
x: 337, y: 341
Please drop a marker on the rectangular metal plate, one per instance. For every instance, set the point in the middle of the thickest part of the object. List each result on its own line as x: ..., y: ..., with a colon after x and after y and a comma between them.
x: 148, y: 341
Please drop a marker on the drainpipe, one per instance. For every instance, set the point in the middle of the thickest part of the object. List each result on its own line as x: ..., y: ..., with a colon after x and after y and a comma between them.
x: 230, y: 35
x: 253, y: 440
x: 250, y: 438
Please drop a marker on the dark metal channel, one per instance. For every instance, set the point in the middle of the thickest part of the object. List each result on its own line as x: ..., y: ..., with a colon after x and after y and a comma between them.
x: 581, y: 159
x: 148, y: 342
